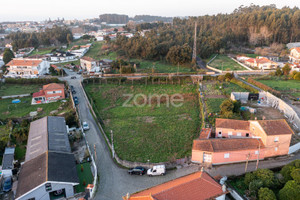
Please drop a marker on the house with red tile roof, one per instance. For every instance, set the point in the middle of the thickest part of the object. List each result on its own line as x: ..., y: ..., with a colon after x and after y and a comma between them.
x: 294, y: 56
x: 196, y: 186
x: 27, y: 68
x: 50, y: 93
x: 240, y: 141
x: 261, y: 63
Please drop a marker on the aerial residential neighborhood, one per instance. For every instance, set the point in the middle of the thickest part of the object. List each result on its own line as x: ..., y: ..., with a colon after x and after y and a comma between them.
x: 196, y: 103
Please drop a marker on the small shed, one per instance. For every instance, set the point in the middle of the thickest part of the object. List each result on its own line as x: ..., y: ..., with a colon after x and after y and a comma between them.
x: 8, y: 161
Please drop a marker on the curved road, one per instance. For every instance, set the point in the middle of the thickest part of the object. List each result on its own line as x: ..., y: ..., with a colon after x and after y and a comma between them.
x: 115, y: 182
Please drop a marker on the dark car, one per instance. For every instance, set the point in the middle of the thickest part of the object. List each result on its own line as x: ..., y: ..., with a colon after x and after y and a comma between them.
x: 76, y: 100
x: 73, y: 92
x: 7, y: 184
x: 137, y: 170
x: 73, y: 77
x: 72, y: 87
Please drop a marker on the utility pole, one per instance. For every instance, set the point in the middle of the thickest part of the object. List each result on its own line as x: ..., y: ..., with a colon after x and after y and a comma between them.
x: 258, y: 154
x: 247, y: 162
x: 195, y: 44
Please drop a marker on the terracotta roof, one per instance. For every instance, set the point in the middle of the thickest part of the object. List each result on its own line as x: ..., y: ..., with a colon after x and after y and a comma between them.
x: 196, y: 186
x: 88, y: 59
x: 205, y: 133
x: 226, y: 144
x: 24, y: 62
x: 276, y: 127
x: 297, y: 49
x: 232, y: 124
x: 38, y: 94
x: 263, y: 60
x: 250, y: 60
x: 53, y: 86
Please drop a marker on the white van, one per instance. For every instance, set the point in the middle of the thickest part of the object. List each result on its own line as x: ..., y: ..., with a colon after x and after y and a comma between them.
x: 157, y: 170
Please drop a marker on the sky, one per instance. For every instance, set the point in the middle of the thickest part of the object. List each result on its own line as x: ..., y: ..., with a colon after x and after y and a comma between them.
x: 37, y: 10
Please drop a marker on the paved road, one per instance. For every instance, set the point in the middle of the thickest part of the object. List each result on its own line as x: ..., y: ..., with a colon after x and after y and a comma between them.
x: 114, y: 180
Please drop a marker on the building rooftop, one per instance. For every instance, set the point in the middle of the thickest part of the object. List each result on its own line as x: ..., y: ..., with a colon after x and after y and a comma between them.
x: 227, y: 144
x: 24, y: 62
x: 276, y: 127
x: 88, y: 59
x: 196, y: 186
x: 53, y: 86
x: 49, y: 166
x: 232, y: 124
x: 205, y: 133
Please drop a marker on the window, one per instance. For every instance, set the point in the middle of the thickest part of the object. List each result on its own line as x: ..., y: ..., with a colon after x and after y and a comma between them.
x: 247, y: 134
x: 239, y: 134
x: 256, y: 152
x: 276, y: 148
x: 31, y: 198
x: 220, y: 134
x: 229, y: 133
x: 226, y: 155
x: 276, y: 139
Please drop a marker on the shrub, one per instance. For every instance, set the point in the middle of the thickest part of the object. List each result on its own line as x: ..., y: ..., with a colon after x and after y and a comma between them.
x: 290, y: 191
x: 254, y: 186
x: 266, y: 194
x: 266, y: 176
x: 249, y: 177
x: 228, y: 76
x: 287, y: 169
x: 295, y: 174
x: 297, y: 76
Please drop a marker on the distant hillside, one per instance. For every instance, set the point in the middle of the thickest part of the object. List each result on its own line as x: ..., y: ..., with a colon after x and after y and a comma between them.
x: 149, y: 18
x: 114, y: 18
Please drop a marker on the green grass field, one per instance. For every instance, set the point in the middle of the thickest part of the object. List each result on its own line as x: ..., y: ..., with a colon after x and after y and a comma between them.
x: 213, y: 104
x: 22, y: 109
x: 160, y: 67
x: 96, y: 52
x: 15, y: 89
x: 280, y: 84
x: 227, y: 63
x: 229, y: 87
x: 85, y: 175
x: 151, y: 132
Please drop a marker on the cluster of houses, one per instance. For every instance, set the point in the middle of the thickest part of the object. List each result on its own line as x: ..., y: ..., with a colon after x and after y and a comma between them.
x: 240, y: 141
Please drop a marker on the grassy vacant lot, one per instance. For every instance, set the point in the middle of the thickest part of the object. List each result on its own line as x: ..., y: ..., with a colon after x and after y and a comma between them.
x: 10, y: 110
x: 227, y: 63
x: 158, y: 133
x: 229, y: 87
x: 95, y: 52
x: 15, y: 89
x: 213, y: 104
x: 84, y: 176
x: 280, y: 84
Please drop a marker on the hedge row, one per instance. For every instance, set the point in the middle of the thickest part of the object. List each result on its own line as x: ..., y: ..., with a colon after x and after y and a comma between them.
x: 32, y: 81
x: 243, y: 85
x: 263, y: 86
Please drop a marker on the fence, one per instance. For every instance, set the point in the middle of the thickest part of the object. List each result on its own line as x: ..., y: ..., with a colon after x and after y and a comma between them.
x: 126, y: 163
x: 241, y: 64
x: 15, y: 96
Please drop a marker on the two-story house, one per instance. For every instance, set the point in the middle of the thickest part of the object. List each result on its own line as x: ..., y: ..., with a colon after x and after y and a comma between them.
x: 88, y: 63
x: 27, y: 68
x: 239, y: 141
x: 294, y: 56
x: 50, y: 93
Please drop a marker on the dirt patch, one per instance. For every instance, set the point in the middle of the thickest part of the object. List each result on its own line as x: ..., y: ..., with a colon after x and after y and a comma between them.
x: 215, y: 96
x: 6, y: 113
x: 184, y: 117
x: 268, y: 113
x: 106, y: 122
x: 146, y: 119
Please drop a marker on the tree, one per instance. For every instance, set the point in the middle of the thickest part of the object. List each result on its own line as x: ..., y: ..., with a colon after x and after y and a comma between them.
x: 227, y: 108
x: 228, y: 76
x: 249, y: 177
x: 69, y: 38
x: 254, y: 186
x: 286, y: 69
x: 287, y: 169
x: 266, y: 194
x: 297, y: 76
x: 278, y: 72
x: 290, y: 191
x: 295, y: 174
x: 266, y: 176
x: 8, y: 55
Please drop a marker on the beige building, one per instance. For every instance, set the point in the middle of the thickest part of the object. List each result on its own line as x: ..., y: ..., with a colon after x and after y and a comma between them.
x: 294, y: 56
x: 88, y: 63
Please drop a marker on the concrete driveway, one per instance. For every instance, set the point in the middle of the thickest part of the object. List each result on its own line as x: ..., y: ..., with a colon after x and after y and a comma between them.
x: 115, y: 182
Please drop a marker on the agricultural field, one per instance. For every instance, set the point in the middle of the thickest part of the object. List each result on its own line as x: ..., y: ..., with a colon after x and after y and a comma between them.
x: 96, y: 52
x: 280, y: 84
x: 17, y: 89
x: 223, y: 62
x: 22, y: 109
x: 156, y: 131
x: 213, y: 104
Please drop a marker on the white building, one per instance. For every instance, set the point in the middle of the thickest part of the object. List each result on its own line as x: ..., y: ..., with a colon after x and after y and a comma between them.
x: 8, y: 161
x: 27, y: 68
x: 294, y: 56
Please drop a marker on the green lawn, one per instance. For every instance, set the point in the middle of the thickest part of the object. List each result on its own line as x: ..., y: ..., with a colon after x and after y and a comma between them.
x: 152, y: 132
x: 159, y: 67
x: 280, y: 84
x: 229, y: 87
x: 227, y: 63
x: 213, y: 104
x: 15, y: 89
x: 85, y: 175
x: 10, y: 110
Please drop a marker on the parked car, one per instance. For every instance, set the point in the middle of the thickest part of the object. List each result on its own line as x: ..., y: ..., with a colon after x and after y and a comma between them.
x: 73, y: 92
x: 76, y: 100
x: 137, y: 170
x: 73, y: 77
x: 157, y: 170
x: 85, y: 126
x: 72, y: 87
x: 7, y: 184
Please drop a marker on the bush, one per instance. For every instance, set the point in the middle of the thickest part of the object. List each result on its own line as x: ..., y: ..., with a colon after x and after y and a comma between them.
x: 295, y: 174
x: 266, y: 176
x: 291, y: 191
x: 266, y: 194
x: 254, y: 186
x: 228, y: 76
x: 297, y: 76
x: 287, y: 169
x: 249, y: 177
